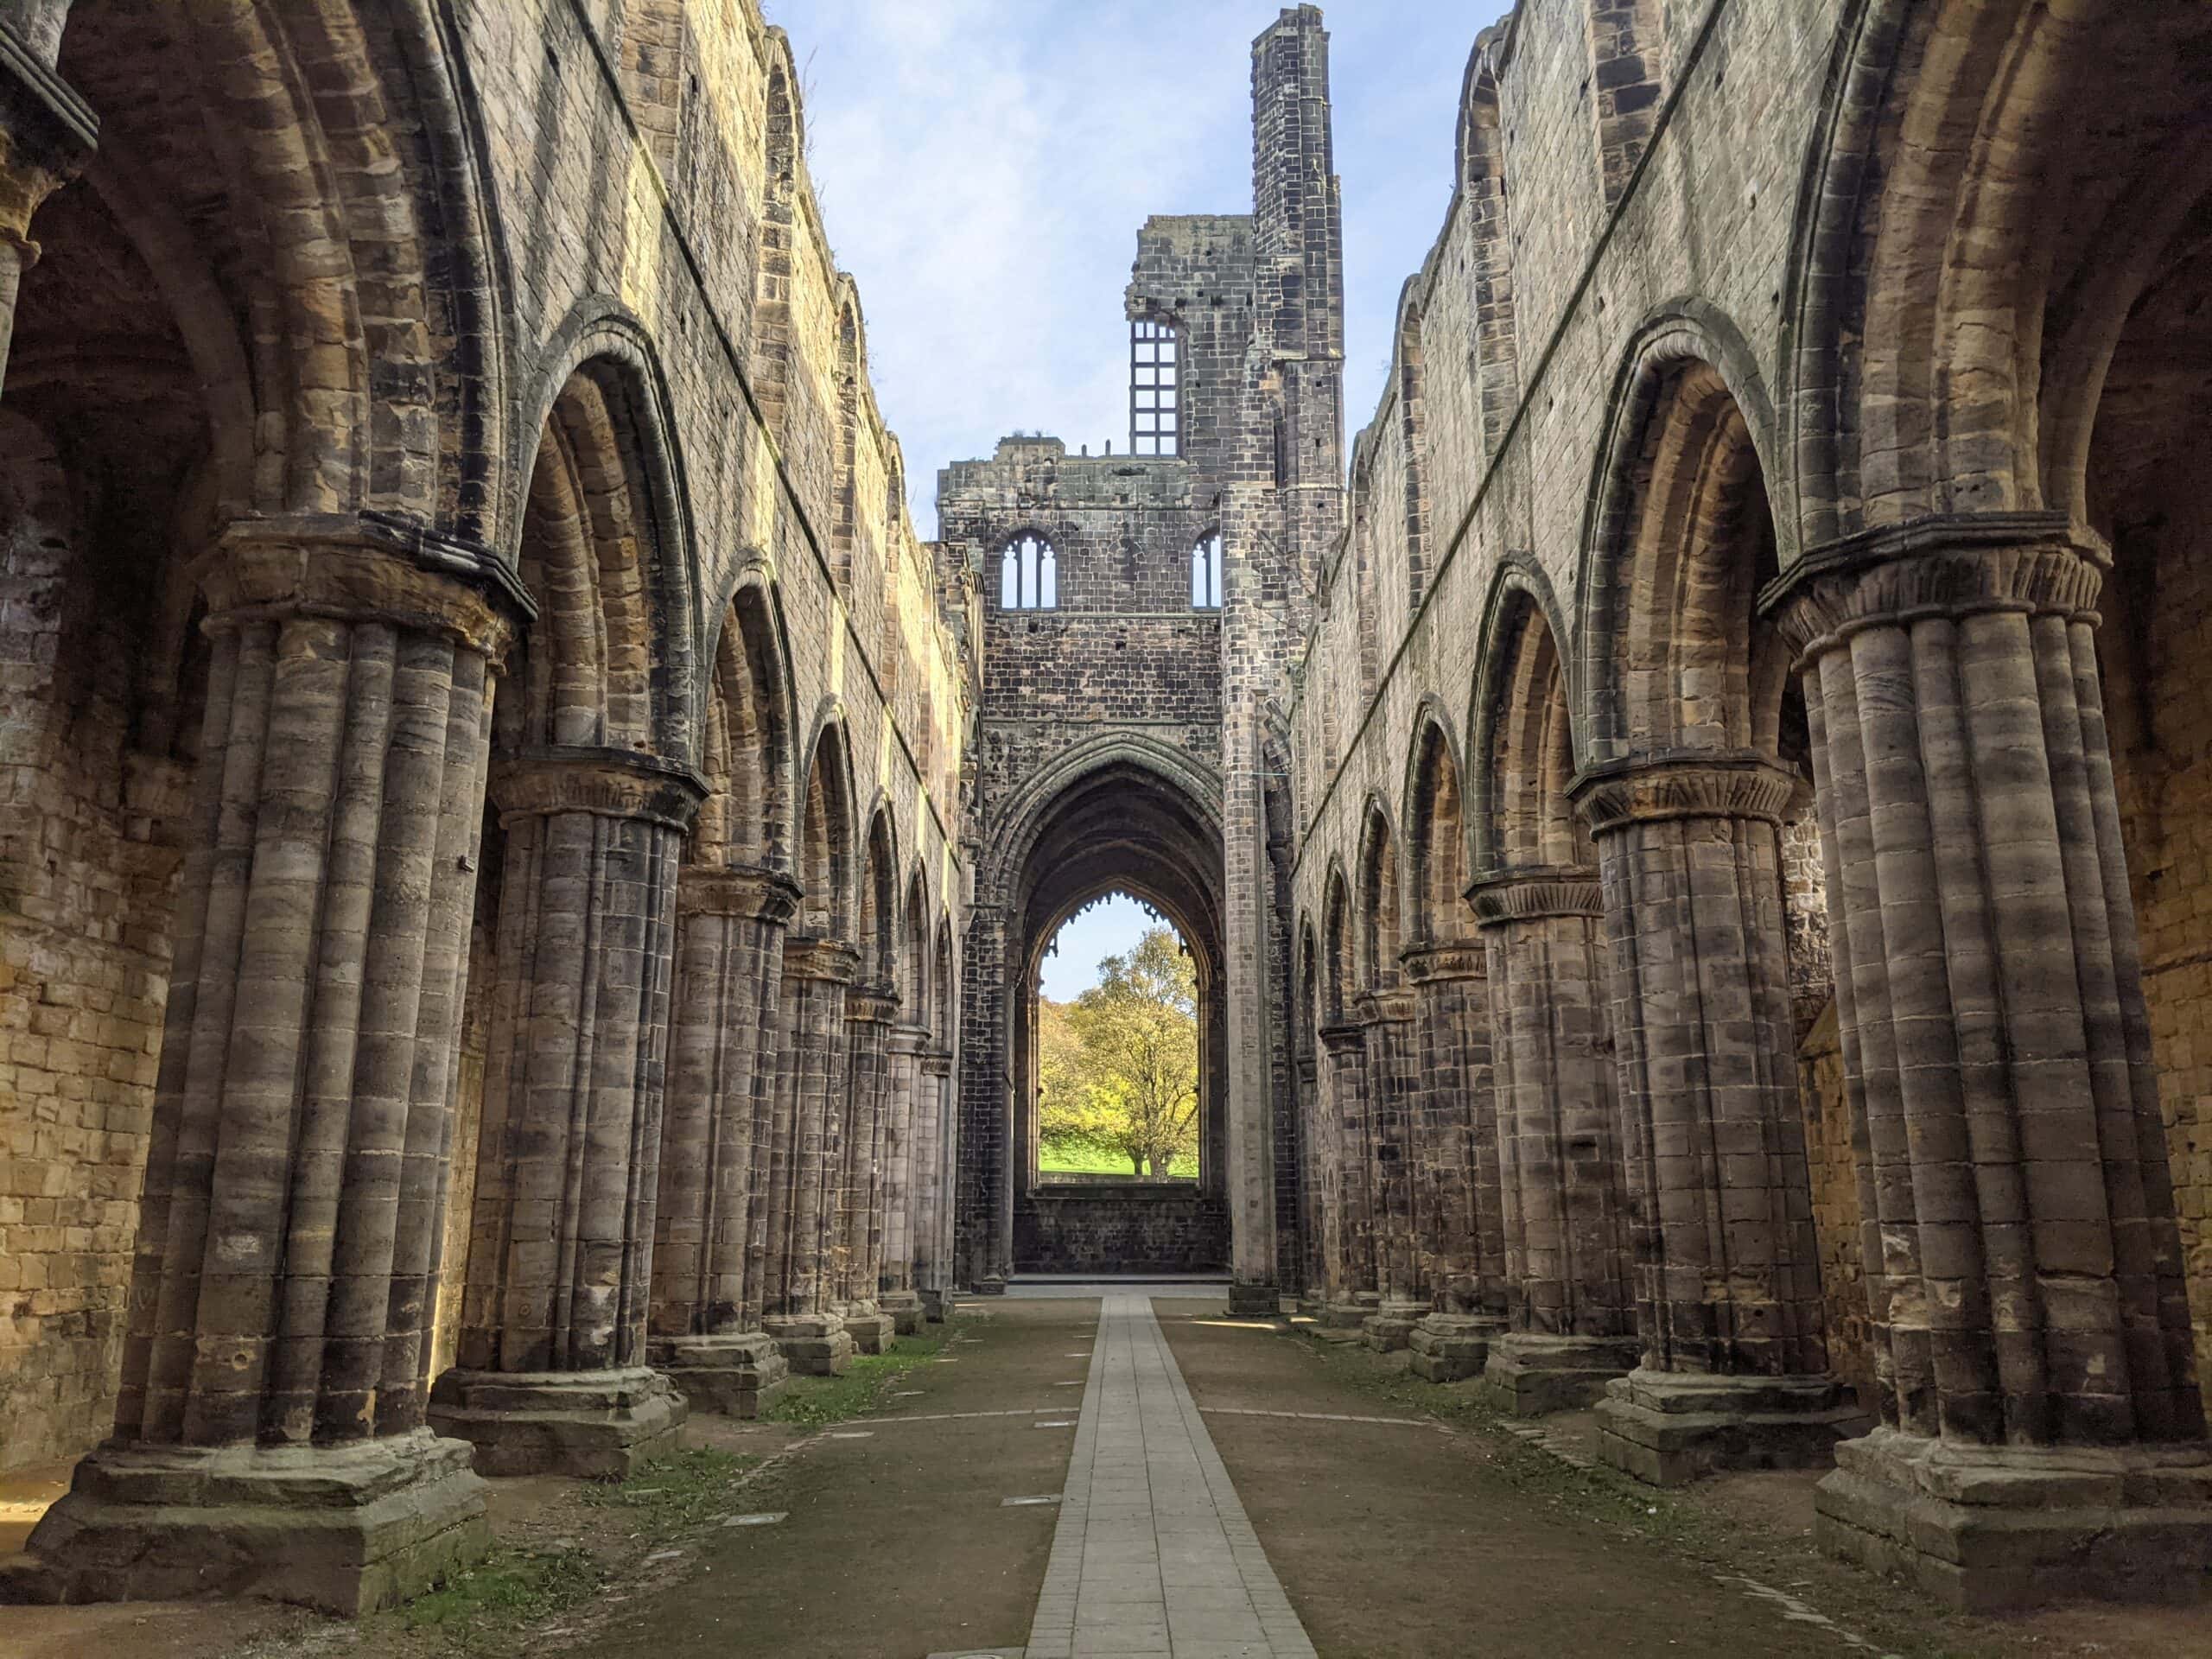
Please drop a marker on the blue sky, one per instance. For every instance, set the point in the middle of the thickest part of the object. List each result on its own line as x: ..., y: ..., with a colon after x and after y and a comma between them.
x: 1109, y: 928
x: 983, y: 166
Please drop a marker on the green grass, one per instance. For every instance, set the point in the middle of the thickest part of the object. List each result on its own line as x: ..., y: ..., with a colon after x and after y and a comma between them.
x: 816, y: 1401
x: 670, y: 1496
x: 1089, y: 1160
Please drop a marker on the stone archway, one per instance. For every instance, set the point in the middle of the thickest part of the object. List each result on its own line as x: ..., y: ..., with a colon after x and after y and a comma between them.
x: 1122, y: 823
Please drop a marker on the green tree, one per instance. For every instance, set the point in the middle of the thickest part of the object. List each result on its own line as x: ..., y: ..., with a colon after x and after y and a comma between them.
x: 1118, y: 1067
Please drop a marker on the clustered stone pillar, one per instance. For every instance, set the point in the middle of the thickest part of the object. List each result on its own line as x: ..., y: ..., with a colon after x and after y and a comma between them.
x: 1462, y: 1242
x: 714, y: 1137
x: 904, y: 1178
x: 859, y: 1112
x: 934, y: 1149
x: 1387, y: 1025
x: 1562, y: 1206
x: 1733, y: 1372
x: 46, y: 134
x: 551, y: 1373
x: 270, y: 1432
x: 805, y: 1161
x: 2041, y: 1431
x: 1348, y: 1296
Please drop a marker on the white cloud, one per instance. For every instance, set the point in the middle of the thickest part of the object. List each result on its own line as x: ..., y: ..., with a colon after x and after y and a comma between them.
x: 984, y: 166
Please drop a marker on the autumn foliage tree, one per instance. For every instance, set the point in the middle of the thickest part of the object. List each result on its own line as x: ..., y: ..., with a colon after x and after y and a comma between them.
x: 1118, y: 1067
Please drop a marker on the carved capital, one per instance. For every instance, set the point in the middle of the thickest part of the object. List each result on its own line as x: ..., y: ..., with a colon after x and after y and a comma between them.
x: 1944, y: 565
x: 910, y: 1040
x: 1344, y: 1038
x: 606, y: 783
x: 806, y: 957
x: 1683, y: 785
x: 1387, y: 1005
x: 1445, y: 959
x: 362, y: 568
x: 1528, y: 895
x: 744, y: 892
x: 871, y: 1005
x: 937, y: 1063
x: 46, y: 134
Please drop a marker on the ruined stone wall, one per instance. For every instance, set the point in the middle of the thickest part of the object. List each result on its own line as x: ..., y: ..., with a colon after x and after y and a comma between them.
x: 644, y: 188
x: 1131, y: 1227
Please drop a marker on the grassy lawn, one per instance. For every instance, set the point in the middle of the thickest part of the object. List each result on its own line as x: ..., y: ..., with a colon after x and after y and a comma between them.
x: 1086, y: 1161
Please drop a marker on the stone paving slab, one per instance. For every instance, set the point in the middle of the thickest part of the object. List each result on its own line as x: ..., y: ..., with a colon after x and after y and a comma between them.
x: 1154, y: 1555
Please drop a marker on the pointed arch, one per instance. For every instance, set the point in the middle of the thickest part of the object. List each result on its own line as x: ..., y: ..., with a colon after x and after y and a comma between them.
x: 1524, y: 733
x: 1339, y: 977
x: 1436, y: 836
x: 1381, y: 929
x: 1412, y: 440
x: 746, y: 740
x: 828, y: 868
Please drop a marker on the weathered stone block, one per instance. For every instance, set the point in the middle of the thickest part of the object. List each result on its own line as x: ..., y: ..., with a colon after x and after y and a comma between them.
x: 1670, y: 1427
x: 1528, y: 1375
x: 1451, y: 1347
x: 736, y: 1376
x: 598, y: 1424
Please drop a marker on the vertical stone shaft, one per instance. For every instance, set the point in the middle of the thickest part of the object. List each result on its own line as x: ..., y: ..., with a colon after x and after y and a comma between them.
x: 904, y: 1178
x: 1349, y: 1237
x: 933, y: 1154
x: 2024, y: 1262
x: 1726, y: 1269
x: 551, y: 1356
x: 282, y: 1287
x: 705, y: 1323
x: 1388, y: 1029
x: 46, y: 132
x: 1462, y: 1237
x: 1562, y: 1205
x: 1727, y: 1272
x: 807, y: 1158
x: 863, y: 1105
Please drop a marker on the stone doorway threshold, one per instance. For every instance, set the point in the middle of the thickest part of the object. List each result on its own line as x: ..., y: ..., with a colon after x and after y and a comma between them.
x: 1100, y: 1284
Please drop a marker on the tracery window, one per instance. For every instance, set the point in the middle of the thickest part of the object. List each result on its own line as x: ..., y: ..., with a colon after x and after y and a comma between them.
x: 1155, y: 417
x: 1029, y: 574
x: 1206, y: 573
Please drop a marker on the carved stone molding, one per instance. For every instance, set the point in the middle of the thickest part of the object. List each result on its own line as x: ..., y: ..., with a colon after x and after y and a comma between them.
x: 1391, y: 1005
x: 46, y: 133
x: 937, y: 1063
x: 362, y: 568
x: 608, y: 783
x: 871, y: 1005
x: 1528, y: 895
x: 745, y: 892
x: 808, y: 958
x: 1945, y: 565
x: 1444, y: 959
x: 1344, y: 1037
x: 1683, y: 785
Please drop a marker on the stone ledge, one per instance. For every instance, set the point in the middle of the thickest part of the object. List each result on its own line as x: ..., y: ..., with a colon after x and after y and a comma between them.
x: 1989, y: 1528
x: 1530, y: 1375
x: 1452, y: 1347
x: 597, y: 1425
x: 736, y: 1376
x: 1667, y: 1429
x: 815, y: 1345
x: 343, y: 1530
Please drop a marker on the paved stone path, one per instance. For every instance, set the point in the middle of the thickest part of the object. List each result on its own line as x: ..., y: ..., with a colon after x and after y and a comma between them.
x: 1154, y: 1555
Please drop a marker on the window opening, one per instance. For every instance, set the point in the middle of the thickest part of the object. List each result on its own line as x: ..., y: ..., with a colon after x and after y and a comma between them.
x: 1155, y: 419
x: 1206, y: 573
x: 1029, y: 576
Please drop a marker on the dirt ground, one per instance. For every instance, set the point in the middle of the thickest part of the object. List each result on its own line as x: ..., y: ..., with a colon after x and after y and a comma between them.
x: 1452, y: 1533
x: 1420, y: 1541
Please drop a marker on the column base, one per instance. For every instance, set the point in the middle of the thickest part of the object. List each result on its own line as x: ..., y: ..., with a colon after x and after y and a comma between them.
x: 1309, y: 1306
x: 905, y: 1307
x: 595, y: 1425
x: 935, y: 1304
x: 739, y: 1375
x: 816, y: 1345
x: 871, y: 1329
x: 1529, y: 1375
x: 1391, y: 1327
x: 345, y: 1529
x: 1256, y: 1301
x: 1991, y: 1529
x: 1342, y: 1318
x: 1668, y: 1427
x: 1452, y: 1347
x: 990, y: 1284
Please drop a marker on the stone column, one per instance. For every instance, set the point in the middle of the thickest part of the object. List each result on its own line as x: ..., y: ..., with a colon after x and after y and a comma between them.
x: 896, y: 1286
x: 1315, y: 1216
x: 806, y: 1158
x: 1733, y: 1372
x: 860, y: 1112
x: 550, y: 1372
x: 1462, y: 1241
x: 934, y: 1148
x: 1387, y: 1020
x: 270, y: 1433
x: 46, y: 134
x: 1563, y: 1204
x: 1348, y: 1298
x: 2041, y: 1432
x: 705, y: 1323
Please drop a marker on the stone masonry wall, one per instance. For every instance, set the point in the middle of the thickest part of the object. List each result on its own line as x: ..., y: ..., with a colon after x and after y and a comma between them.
x: 1136, y: 1227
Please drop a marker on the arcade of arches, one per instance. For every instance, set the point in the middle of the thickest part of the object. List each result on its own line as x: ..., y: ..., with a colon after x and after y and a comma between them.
x: 522, y: 876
